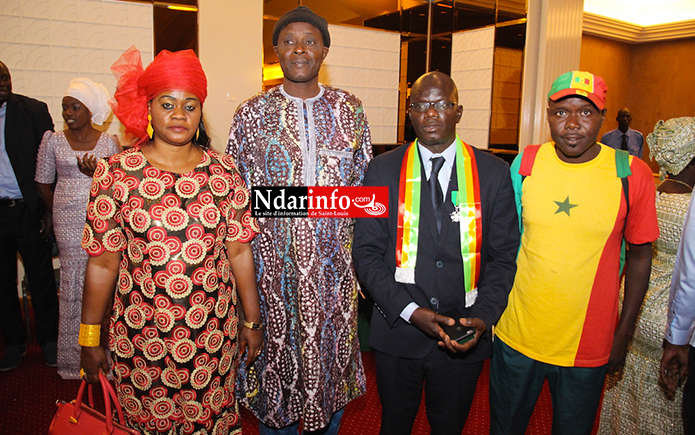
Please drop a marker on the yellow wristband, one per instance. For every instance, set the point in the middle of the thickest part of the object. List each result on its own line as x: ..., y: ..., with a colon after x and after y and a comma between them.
x: 90, y: 335
x: 252, y: 325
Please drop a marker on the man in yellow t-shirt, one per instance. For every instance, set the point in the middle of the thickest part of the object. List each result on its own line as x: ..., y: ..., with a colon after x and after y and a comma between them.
x: 576, y: 205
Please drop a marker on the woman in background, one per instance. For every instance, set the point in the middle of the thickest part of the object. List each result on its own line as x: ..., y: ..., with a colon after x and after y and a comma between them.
x: 71, y: 154
x: 634, y: 402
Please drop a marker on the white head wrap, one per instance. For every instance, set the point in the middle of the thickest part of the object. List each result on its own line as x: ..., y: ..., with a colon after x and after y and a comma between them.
x: 93, y: 95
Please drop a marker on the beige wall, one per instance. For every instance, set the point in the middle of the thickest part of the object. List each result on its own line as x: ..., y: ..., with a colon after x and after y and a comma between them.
x: 231, y: 51
x: 46, y: 44
x: 663, y: 82
x: 366, y: 63
x: 654, y: 80
x: 610, y: 60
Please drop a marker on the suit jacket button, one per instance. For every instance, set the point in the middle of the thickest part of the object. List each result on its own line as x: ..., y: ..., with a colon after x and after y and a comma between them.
x: 434, y: 301
x: 439, y: 264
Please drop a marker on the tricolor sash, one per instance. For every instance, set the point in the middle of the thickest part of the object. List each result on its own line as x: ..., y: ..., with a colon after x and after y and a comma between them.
x: 467, y: 213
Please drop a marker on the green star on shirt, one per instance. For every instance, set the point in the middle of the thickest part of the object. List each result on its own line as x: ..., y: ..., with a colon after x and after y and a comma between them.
x: 565, y: 206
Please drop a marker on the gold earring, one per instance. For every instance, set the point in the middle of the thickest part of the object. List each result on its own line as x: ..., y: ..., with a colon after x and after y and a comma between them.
x: 150, y: 130
x: 196, y: 135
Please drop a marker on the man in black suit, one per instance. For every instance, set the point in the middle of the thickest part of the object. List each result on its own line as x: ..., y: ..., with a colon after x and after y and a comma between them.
x: 24, y: 226
x: 411, y: 348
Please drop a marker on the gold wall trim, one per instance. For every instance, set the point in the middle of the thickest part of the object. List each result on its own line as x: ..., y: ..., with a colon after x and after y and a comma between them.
x: 598, y: 25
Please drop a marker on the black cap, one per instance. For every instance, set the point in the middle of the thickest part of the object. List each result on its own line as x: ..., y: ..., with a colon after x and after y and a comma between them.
x: 302, y: 14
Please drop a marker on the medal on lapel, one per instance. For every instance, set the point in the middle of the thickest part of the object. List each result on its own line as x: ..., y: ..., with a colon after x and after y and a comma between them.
x: 456, y: 214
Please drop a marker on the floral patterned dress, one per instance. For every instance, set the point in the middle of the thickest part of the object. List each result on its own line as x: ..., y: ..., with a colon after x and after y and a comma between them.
x: 174, y: 324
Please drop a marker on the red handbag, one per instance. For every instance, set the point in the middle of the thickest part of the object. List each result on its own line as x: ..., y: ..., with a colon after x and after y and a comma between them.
x: 76, y: 418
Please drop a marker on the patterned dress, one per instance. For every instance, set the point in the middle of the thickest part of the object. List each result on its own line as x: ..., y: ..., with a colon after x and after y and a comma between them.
x: 174, y: 324
x: 69, y: 210
x: 634, y: 403
x: 311, y: 365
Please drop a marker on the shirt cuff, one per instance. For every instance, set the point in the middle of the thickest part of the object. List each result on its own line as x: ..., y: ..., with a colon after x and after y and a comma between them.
x: 408, y: 311
x: 678, y: 337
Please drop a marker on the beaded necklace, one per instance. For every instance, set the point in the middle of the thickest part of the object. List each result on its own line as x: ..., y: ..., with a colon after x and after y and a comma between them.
x: 679, y: 182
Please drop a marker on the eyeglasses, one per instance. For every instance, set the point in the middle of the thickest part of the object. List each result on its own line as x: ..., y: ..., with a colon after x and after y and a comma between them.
x: 439, y: 106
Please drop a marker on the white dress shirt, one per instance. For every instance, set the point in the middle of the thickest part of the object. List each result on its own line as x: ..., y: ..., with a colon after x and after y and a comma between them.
x: 681, y: 313
x: 444, y: 177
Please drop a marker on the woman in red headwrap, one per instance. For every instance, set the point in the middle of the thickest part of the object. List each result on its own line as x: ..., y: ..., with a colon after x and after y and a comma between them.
x: 167, y: 232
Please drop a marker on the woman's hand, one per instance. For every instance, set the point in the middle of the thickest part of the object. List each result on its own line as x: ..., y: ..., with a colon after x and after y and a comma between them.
x: 251, y: 341
x: 87, y: 164
x: 93, y: 361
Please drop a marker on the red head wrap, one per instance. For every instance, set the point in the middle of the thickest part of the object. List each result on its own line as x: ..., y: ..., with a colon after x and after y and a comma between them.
x: 136, y: 87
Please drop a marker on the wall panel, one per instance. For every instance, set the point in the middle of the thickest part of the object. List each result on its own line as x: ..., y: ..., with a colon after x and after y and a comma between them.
x: 661, y: 82
x: 654, y: 80
x: 611, y: 60
x: 366, y: 63
x: 45, y: 44
x: 472, y: 56
x: 506, y: 96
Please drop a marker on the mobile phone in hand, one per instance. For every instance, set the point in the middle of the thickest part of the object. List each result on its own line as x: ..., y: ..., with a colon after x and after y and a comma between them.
x: 458, y: 333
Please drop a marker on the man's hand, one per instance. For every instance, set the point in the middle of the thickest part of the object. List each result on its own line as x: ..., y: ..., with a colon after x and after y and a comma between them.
x: 250, y: 340
x: 429, y: 322
x: 637, y: 267
x: 618, y: 353
x: 674, y: 365
x: 455, y: 347
x: 46, y: 224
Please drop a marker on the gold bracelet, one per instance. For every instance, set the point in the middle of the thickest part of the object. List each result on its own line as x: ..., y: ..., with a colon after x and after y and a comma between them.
x: 252, y: 325
x: 90, y: 335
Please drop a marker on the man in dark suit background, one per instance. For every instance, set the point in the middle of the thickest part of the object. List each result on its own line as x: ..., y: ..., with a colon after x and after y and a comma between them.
x: 411, y: 348
x: 24, y: 226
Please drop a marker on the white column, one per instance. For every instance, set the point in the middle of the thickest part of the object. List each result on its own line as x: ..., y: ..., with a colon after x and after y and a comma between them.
x: 553, y: 46
x: 230, y: 45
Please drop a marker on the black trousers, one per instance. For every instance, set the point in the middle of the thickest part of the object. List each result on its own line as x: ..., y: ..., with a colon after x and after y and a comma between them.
x: 449, y: 390
x: 19, y: 233
x: 689, y: 395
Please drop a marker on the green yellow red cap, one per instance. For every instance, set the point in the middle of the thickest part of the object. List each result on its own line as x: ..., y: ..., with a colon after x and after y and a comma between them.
x: 580, y: 83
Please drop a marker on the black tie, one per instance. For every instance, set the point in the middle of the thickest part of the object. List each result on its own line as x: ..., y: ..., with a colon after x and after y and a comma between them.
x: 623, y: 145
x: 436, y: 190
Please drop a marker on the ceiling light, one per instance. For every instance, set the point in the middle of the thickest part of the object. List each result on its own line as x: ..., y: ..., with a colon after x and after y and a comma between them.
x: 643, y: 12
x: 176, y: 6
